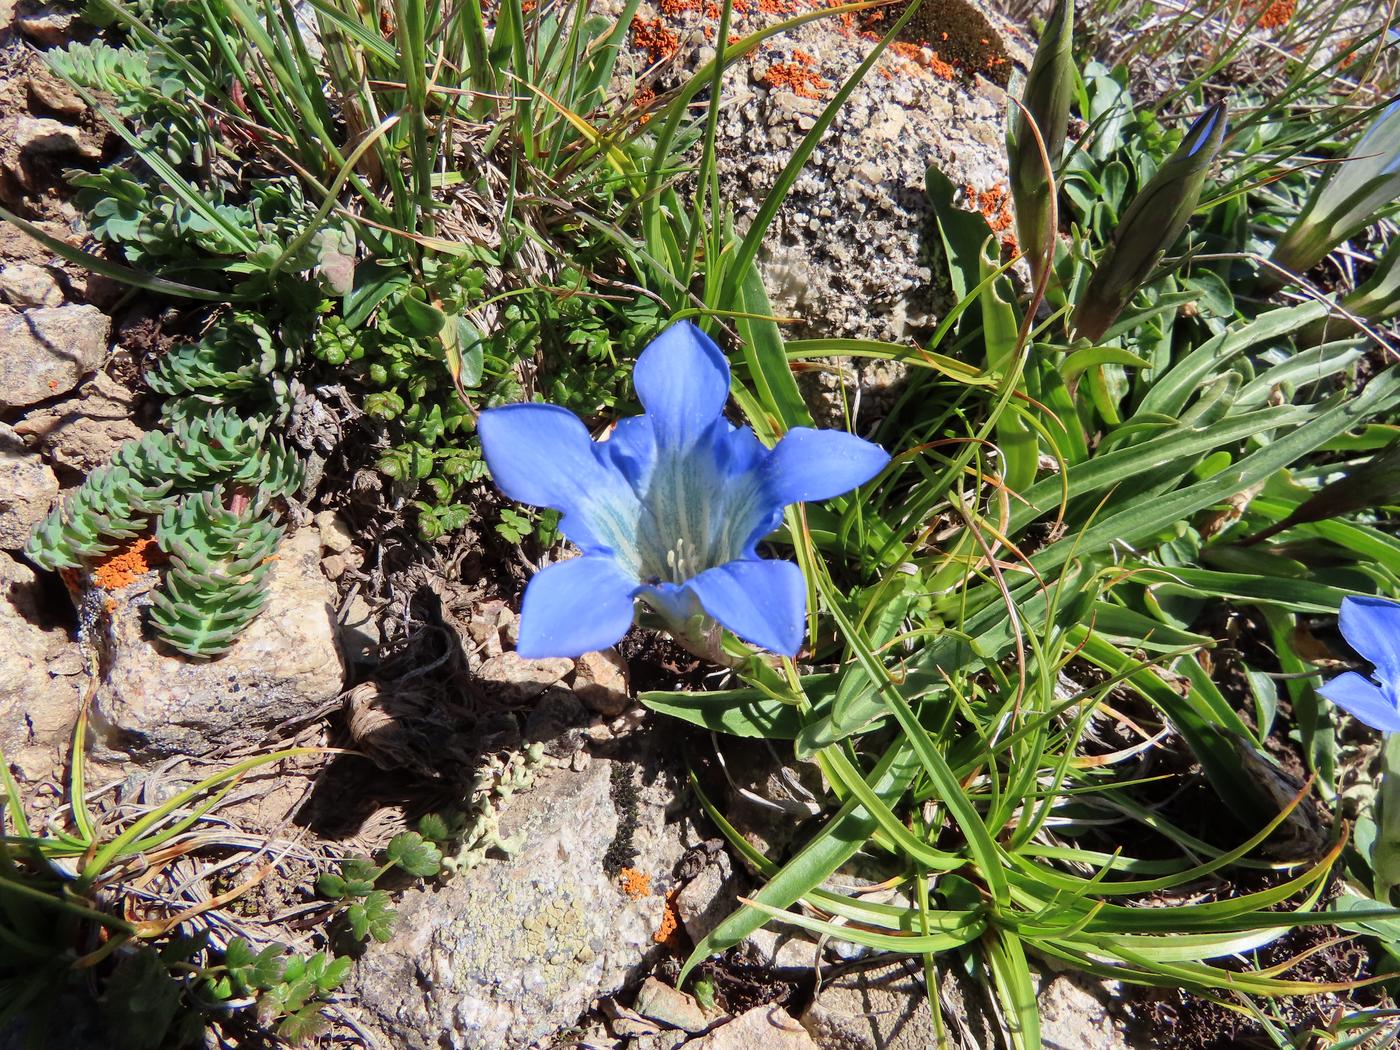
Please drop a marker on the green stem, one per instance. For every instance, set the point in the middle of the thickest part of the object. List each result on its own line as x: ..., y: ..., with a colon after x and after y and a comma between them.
x: 1385, y: 854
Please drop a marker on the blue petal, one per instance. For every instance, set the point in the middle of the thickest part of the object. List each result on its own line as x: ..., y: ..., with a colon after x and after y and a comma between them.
x: 763, y: 602
x: 673, y: 601
x: 542, y: 455
x: 682, y: 380
x: 575, y: 607
x: 631, y: 448
x: 1364, y: 700
x: 818, y: 464
x: 1372, y: 626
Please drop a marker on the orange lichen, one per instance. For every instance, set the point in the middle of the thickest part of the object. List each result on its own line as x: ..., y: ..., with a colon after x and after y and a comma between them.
x: 641, y: 101
x: 777, y: 7
x: 709, y: 8
x: 795, y: 77
x: 1351, y: 56
x: 1277, y: 15
x: 994, y: 204
x: 921, y: 56
x: 655, y: 39
x: 636, y: 884
x: 669, y: 932
x: 126, y: 565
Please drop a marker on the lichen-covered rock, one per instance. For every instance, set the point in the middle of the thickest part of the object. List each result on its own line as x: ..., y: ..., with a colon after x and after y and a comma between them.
x: 41, y: 676
x: 852, y: 251
x: 27, y: 490
x: 511, y: 951
x: 46, y: 351
x: 153, y: 702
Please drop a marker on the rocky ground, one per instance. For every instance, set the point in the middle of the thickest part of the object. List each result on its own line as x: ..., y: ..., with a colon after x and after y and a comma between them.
x: 594, y: 871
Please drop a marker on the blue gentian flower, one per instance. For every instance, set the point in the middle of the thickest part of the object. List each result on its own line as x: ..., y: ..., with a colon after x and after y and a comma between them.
x: 669, y: 509
x: 1372, y: 627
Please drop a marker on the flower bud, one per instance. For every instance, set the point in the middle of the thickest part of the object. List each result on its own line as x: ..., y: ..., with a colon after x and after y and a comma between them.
x: 1346, y: 199
x: 1046, y: 97
x: 1150, y: 226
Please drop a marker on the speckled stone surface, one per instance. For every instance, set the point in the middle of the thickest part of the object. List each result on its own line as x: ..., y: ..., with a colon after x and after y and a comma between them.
x: 852, y: 250
x: 510, y: 952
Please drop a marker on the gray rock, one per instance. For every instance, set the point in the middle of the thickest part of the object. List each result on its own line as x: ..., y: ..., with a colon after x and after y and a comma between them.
x: 153, y: 702
x: 24, y: 284
x: 27, y: 490
x: 762, y: 1028
x: 1078, y: 1012
x: 358, y: 632
x: 49, y: 92
x: 512, y: 679
x: 886, y: 1008
x: 40, y: 677
x: 36, y: 135
x: 83, y: 432
x: 45, y: 352
x: 600, y: 681
x: 336, y: 536
x: 509, y: 952
x: 658, y: 1001
x: 705, y: 900
x: 659, y: 1041
x: 48, y: 26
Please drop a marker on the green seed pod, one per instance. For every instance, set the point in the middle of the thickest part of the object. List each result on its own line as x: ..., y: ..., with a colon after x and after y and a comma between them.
x: 1046, y: 97
x: 1346, y: 199
x: 1150, y: 226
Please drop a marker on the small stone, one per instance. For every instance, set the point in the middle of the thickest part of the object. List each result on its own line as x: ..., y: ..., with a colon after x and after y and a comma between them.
x: 334, y: 566
x: 887, y: 1008
x: 706, y: 899
x: 358, y: 632
x: 658, y: 1001
x: 512, y: 679
x: 335, y: 534
x: 83, y: 432
x: 625, y: 1023
x: 48, y: 26
x: 600, y: 680
x: 781, y: 951
x: 25, y: 284
x: 51, y: 93
x: 45, y: 352
x: 659, y: 1041
x: 27, y: 490
x: 767, y: 1027
x: 34, y: 135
